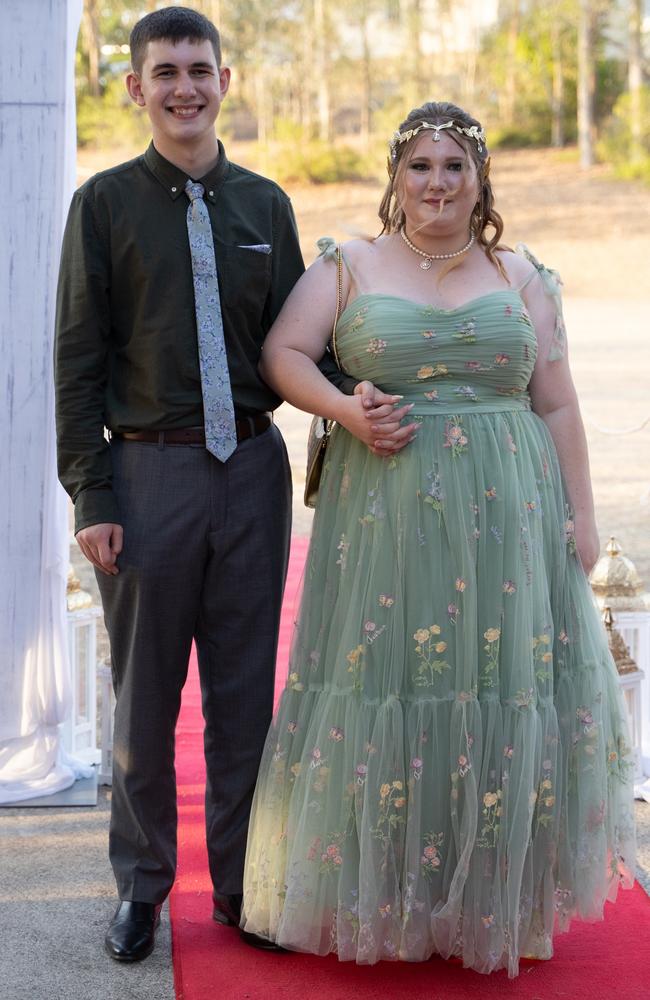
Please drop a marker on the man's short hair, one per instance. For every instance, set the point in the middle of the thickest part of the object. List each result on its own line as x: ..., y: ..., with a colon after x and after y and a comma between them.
x: 171, y: 24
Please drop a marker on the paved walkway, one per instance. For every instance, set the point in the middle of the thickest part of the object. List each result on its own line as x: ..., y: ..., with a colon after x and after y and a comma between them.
x: 57, y: 896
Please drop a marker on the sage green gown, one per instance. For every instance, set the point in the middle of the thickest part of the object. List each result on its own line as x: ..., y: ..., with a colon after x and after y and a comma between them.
x: 448, y: 769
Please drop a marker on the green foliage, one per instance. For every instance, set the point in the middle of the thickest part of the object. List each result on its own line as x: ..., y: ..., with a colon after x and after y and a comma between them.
x: 293, y: 158
x: 111, y: 120
x: 326, y: 164
x: 611, y: 82
x: 524, y: 66
x: 518, y: 81
x: 535, y: 133
x: 317, y: 163
x: 630, y: 161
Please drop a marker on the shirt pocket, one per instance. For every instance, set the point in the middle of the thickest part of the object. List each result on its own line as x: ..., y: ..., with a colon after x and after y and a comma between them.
x: 244, y: 280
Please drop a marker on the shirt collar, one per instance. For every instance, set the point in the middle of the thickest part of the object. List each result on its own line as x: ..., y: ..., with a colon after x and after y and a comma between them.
x: 173, y: 179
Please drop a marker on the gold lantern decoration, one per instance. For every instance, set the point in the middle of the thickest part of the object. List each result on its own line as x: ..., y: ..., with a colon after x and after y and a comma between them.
x: 620, y: 653
x: 75, y: 597
x: 616, y: 583
x: 620, y: 594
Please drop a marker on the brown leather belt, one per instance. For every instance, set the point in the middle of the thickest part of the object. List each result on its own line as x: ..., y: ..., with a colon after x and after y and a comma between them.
x: 247, y: 427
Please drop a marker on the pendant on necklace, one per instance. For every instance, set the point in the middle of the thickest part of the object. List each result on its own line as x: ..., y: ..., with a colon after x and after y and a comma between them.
x: 425, y: 264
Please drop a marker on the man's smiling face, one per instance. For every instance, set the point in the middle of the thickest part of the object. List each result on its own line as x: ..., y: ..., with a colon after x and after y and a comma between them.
x: 182, y: 88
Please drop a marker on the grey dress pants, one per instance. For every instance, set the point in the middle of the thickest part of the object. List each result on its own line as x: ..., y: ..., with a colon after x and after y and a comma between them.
x: 205, y: 558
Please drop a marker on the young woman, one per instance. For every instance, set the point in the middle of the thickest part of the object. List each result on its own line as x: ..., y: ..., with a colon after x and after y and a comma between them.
x: 448, y: 770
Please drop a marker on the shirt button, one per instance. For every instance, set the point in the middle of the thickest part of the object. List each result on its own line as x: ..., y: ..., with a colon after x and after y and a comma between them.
x: 174, y: 190
x: 211, y: 192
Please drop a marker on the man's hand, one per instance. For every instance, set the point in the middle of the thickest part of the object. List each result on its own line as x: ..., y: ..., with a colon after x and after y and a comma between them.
x: 387, y: 434
x: 101, y: 544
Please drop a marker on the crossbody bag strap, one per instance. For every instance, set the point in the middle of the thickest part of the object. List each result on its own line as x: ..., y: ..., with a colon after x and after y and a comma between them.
x: 339, y: 295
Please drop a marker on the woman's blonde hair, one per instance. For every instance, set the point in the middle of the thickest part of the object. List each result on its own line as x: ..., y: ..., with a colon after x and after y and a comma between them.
x: 484, y: 215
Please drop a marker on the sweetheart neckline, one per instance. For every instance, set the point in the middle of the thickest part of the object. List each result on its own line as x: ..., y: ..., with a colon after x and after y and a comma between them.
x: 428, y: 305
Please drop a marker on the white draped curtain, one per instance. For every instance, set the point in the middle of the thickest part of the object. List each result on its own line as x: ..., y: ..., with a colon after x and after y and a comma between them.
x: 37, y: 130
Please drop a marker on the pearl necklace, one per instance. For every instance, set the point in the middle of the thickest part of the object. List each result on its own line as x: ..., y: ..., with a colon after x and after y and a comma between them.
x: 429, y: 257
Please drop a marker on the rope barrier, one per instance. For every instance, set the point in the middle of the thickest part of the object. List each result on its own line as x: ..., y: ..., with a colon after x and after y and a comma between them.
x: 617, y: 430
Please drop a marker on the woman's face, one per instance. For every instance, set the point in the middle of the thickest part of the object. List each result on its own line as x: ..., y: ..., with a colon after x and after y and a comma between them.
x: 440, y: 186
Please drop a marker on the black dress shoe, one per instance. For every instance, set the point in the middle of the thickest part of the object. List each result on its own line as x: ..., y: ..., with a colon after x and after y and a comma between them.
x: 132, y: 931
x: 227, y: 911
x: 255, y: 941
x: 227, y: 908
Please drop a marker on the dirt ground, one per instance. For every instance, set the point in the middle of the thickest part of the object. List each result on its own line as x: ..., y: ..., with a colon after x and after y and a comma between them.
x: 596, y: 232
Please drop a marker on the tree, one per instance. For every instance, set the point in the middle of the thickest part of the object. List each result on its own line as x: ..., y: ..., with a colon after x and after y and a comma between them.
x: 363, y: 13
x: 92, y: 44
x: 557, y: 81
x: 510, y: 90
x: 635, y: 78
x: 586, y: 81
x: 321, y: 67
x: 411, y: 17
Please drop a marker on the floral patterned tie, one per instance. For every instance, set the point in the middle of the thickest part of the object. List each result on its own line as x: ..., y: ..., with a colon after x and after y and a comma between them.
x: 218, y: 408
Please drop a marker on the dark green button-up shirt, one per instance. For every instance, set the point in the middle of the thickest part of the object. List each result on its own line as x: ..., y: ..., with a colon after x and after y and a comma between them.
x: 126, y: 354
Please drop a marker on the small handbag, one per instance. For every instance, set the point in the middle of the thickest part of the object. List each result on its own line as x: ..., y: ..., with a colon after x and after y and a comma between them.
x: 321, y: 429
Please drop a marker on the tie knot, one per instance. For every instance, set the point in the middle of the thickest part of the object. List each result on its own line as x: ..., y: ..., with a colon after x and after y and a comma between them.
x: 194, y: 190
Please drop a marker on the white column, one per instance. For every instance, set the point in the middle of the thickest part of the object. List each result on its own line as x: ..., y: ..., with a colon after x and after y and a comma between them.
x: 37, y: 51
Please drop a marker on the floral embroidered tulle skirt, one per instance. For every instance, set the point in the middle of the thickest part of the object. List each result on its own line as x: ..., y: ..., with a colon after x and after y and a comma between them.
x: 448, y: 769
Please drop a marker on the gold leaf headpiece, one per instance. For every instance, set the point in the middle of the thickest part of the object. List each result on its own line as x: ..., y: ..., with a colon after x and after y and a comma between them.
x: 472, y: 132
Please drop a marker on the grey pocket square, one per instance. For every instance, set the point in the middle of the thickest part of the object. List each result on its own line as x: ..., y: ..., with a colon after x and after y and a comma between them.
x: 258, y: 247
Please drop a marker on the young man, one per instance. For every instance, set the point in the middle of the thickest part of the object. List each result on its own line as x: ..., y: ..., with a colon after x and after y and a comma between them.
x: 185, y: 513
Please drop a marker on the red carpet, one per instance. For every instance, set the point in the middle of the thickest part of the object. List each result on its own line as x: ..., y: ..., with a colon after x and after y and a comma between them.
x: 593, y: 962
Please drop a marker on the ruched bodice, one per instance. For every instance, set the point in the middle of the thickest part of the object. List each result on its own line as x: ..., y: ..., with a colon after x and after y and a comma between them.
x: 448, y: 770
x: 478, y: 357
